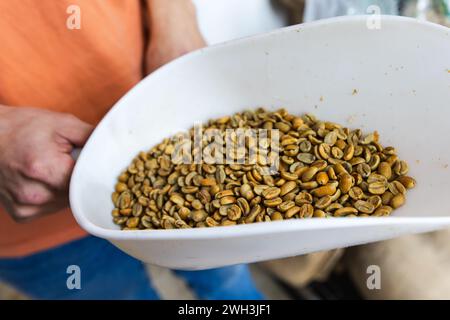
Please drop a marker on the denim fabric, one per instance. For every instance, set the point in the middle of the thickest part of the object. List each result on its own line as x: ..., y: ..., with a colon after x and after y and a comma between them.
x: 108, y: 273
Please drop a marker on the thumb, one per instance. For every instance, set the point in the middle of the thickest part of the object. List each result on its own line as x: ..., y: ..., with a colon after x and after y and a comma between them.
x: 75, y: 130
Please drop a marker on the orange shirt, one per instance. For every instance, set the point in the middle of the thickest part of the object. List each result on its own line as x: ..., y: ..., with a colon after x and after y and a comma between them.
x: 83, y: 71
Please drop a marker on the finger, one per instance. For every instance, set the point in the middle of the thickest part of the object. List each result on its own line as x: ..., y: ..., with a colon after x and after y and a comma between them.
x: 6, y: 200
x: 53, y: 170
x: 31, y: 192
x: 25, y: 213
x: 74, y: 130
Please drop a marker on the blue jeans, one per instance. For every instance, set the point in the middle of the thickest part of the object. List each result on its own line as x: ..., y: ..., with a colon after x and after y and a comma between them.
x: 108, y: 273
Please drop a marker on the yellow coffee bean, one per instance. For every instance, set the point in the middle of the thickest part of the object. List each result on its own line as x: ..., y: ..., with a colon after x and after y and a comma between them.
x: 276, y: 216
x: 345, y: 212
x: 407, y: 182
x: 319, y: 214
x: 287, y: 187
x: 309, y: 174
x: 121, y: 187
x: 327, y: 190
x: 271, y: 192
x: 397, y: 201
x: 346, y: 181
x: 384, y: 169
x: 292, y: 212
x: 322, y: 178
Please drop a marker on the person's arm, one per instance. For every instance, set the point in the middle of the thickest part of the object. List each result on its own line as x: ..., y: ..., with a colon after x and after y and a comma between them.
x: 173, y: 31
x: 35, y: 159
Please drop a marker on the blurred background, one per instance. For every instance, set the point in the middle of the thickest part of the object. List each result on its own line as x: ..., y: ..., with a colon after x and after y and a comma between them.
x: 413, y: 267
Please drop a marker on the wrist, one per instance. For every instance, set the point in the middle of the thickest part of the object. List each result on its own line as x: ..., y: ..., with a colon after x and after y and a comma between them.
x: 4, y: 109
x: 166, y: 3
x: 162, y: 12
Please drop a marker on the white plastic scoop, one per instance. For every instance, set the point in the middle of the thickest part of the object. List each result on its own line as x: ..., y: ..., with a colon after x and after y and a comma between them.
x: 395, y: 80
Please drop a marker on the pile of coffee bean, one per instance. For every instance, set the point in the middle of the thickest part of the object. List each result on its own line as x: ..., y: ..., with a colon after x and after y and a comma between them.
x: 322, y: 169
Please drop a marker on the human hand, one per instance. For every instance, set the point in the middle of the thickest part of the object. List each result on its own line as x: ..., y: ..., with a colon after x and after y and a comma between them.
x: 35, y: 159
x: 173, y: 32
